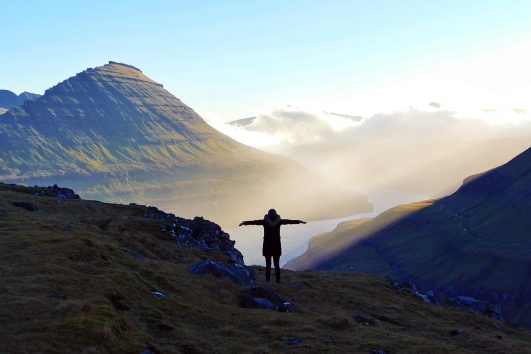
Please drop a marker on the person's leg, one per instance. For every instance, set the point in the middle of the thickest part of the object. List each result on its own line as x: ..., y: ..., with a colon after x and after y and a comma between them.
x: 276, y: 259
x: 268, y: 268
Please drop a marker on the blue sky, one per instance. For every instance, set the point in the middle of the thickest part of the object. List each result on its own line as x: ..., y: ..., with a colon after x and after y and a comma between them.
x: 232, y: 58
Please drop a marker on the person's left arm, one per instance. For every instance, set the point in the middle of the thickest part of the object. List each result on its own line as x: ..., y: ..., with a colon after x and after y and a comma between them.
x: 291, y: 222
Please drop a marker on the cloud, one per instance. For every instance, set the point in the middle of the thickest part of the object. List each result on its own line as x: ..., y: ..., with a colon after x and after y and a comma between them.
x: 428, y: 150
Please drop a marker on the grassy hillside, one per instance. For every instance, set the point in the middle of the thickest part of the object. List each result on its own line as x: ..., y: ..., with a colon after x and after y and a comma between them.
x: 78, y: 276
x: 474, y: 242
x: 324, y: 247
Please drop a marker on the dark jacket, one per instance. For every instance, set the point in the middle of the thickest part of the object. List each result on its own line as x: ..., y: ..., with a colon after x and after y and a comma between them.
x: 271, y: 246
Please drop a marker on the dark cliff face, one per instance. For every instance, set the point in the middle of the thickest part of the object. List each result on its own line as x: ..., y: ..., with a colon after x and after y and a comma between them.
x: 116, y: 135
x: 474, y: 242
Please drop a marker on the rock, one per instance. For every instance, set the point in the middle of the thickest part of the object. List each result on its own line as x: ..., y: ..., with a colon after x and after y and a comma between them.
x: 60, y: 193
x: 377, y: 351
x: 26, y: 205
x: 457, y: 332
x: 198, y: 233
x: 409, y: 288
x: 470, y: 303
x: 292, y: 341
x: 150, y: 350
x: 238, y: 273
x: 263, y: 298
x: 158, y: 294
x: 369, y: 322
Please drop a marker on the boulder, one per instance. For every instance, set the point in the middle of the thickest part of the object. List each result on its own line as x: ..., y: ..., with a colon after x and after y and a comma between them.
x: 263, y: 298
x: 238, y: 273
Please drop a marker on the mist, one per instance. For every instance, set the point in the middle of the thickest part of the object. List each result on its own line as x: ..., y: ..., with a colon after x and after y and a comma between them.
x: 428, y: 151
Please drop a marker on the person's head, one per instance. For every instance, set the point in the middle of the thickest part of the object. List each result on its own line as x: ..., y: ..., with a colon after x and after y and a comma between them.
x: 272, y: 213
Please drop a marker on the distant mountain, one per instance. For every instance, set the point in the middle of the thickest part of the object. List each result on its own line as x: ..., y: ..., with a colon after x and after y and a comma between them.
x: 475, y: 242
x: 116, y: 135
x: 242, y: 122
x: 10, y: 99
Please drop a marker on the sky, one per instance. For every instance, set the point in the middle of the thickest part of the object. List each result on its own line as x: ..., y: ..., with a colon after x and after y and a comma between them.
x: 233, y: 59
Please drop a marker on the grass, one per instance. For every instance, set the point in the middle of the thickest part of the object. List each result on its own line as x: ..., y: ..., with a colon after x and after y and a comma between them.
x: 84, y: 289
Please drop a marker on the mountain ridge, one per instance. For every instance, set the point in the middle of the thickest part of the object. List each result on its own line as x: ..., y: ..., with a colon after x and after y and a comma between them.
x: 116, y: 135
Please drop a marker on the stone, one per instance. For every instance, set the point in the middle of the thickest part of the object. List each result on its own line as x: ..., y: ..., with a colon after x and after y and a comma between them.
x: 292, y: 341
x: 377, y: 351
x: 263, y: 298
x: 457, y: 332
x: 473, y: 304
x: 158, y: 293
x: 238, y: 273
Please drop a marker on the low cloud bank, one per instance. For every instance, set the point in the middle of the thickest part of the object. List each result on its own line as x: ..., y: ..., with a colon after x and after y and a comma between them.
x: 429, y: 150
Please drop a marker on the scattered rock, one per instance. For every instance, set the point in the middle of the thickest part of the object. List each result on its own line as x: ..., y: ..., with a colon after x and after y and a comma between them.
x: 263, y: 298
x: 26, y: 205
x: 61, y: 193
x: 150, y: 350
x: 158, y: 293
x: 409, y: 288
x: 457, y: 332
x: 369, y: 322
x: 292, y: 341
x: 238, y: 273
x: 470, y: 303
x: 377, y: 351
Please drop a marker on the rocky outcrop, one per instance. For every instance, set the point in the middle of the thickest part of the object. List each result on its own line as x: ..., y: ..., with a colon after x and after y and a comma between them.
x: 238, y: 273
x: 198, y: 233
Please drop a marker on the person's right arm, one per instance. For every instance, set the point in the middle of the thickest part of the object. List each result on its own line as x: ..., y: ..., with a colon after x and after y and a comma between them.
x: 252, y: 222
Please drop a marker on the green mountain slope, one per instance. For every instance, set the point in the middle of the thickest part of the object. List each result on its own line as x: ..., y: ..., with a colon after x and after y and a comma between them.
x: 78, y: 277
x: 475, y: 242
x: 114, y: 134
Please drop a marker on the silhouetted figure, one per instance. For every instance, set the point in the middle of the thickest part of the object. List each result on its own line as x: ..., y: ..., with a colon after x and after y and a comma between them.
x: 271, y: 247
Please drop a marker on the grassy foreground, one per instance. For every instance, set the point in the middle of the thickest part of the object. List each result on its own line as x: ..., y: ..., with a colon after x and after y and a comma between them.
x: 78, y: 277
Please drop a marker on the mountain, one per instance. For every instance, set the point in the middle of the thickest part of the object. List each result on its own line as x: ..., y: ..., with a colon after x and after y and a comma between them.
x: 83, y: 276
x: 116, y: 135
x: 475, y: 242
x: 242, y: 122
x: 10, y: 99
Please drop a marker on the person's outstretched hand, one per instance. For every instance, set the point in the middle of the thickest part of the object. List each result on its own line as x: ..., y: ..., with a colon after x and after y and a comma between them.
x: 304, y: 222
x: 241, y: 224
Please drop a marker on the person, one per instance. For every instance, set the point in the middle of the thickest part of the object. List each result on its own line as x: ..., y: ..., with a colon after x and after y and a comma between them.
x: 271, y: 247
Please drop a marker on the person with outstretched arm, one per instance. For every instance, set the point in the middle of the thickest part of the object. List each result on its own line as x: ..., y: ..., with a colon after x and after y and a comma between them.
x: 271, y: 247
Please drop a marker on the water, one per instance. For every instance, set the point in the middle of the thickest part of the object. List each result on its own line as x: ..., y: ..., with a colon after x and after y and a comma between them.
x: 295, y: 238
